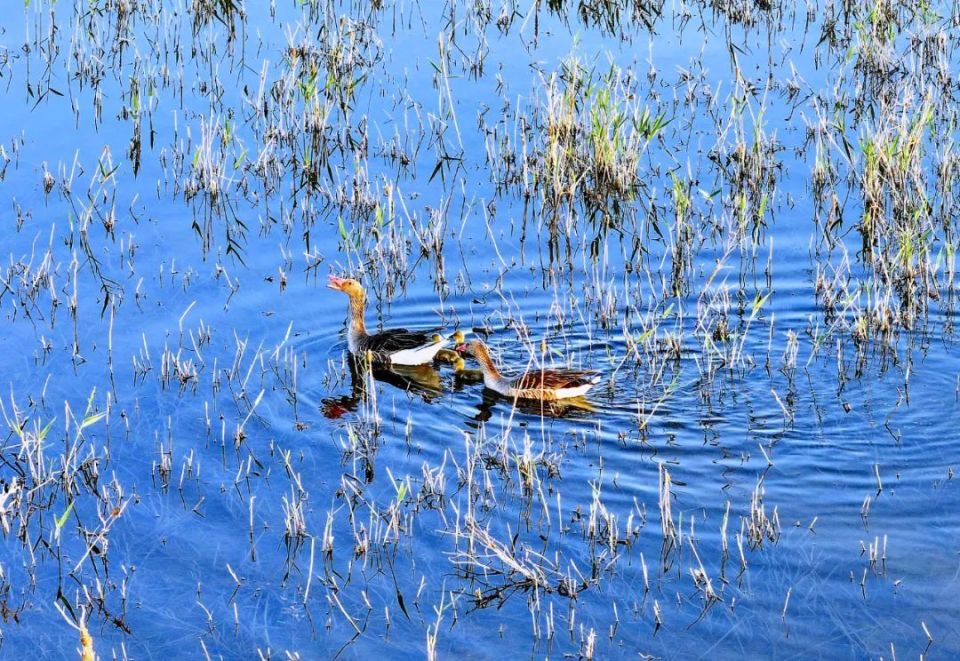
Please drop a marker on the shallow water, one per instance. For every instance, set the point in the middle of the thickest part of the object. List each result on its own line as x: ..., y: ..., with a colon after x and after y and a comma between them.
x: 166, y: 522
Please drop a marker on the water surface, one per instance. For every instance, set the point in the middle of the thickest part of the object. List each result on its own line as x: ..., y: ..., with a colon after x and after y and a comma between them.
x: 178, y: 185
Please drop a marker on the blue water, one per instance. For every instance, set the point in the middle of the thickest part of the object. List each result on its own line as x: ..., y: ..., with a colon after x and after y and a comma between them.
x: 194, y: 559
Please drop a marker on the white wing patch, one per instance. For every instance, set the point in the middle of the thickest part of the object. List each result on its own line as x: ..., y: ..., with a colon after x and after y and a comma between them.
x: 418, y: 355
x: 566, y: 393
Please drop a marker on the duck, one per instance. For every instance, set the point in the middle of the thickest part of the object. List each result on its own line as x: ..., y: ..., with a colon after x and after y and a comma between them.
x: 464, y: 375
x: 544, y: 384
x: 449, y: 355
x: 396, y: 346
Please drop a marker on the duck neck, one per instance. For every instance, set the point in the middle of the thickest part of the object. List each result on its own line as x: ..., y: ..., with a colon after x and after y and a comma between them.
x: 358, y: 329
x: 490, y: 372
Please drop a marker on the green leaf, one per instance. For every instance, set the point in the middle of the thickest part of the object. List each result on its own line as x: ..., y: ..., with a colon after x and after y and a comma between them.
x: 92, y: 419
x: 62, y: 519
x: 45, y: 430
x: 759, y: 302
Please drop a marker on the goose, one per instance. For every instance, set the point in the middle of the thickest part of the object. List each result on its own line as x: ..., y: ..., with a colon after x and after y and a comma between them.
x: 545, y: 384
x: 393, y: 347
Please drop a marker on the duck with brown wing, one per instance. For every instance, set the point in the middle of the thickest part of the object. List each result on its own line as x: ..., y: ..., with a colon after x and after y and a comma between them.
x: 539, y: 384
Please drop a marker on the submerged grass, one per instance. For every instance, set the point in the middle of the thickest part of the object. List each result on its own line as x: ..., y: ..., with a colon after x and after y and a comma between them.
x: 614, y: 219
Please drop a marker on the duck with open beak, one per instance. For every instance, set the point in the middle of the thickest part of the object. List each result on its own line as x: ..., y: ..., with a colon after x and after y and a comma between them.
x: 393, y: 347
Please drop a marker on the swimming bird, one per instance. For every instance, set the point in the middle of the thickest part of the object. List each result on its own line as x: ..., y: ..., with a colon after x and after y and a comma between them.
x: 394, y: 347
x: 465, y: 375
x: 449, y: 355
x: 544, y: 384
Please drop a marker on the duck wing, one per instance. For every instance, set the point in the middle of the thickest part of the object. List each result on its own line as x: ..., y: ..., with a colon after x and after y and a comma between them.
x: 555, y: 379
x: 391, y: 341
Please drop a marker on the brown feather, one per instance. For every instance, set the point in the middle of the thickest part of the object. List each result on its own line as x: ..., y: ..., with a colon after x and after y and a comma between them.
x: 553, y: 379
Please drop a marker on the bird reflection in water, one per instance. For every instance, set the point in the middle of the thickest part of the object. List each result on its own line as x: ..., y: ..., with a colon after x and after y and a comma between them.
x: 422, y: 380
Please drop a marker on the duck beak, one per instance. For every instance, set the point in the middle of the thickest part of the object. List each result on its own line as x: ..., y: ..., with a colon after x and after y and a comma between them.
x: 333, y: 282
x: 461, y: 348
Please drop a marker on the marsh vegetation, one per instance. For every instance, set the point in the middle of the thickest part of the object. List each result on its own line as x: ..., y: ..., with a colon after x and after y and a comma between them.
x: 739, y: 213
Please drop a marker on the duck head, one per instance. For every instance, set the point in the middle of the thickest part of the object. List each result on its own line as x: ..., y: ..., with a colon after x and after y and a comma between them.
x: 348, y: 286
x: 465, y: 348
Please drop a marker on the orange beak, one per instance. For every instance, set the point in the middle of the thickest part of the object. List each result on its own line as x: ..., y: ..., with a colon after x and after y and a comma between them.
x: 333, y: 282
x: 460, y: 348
